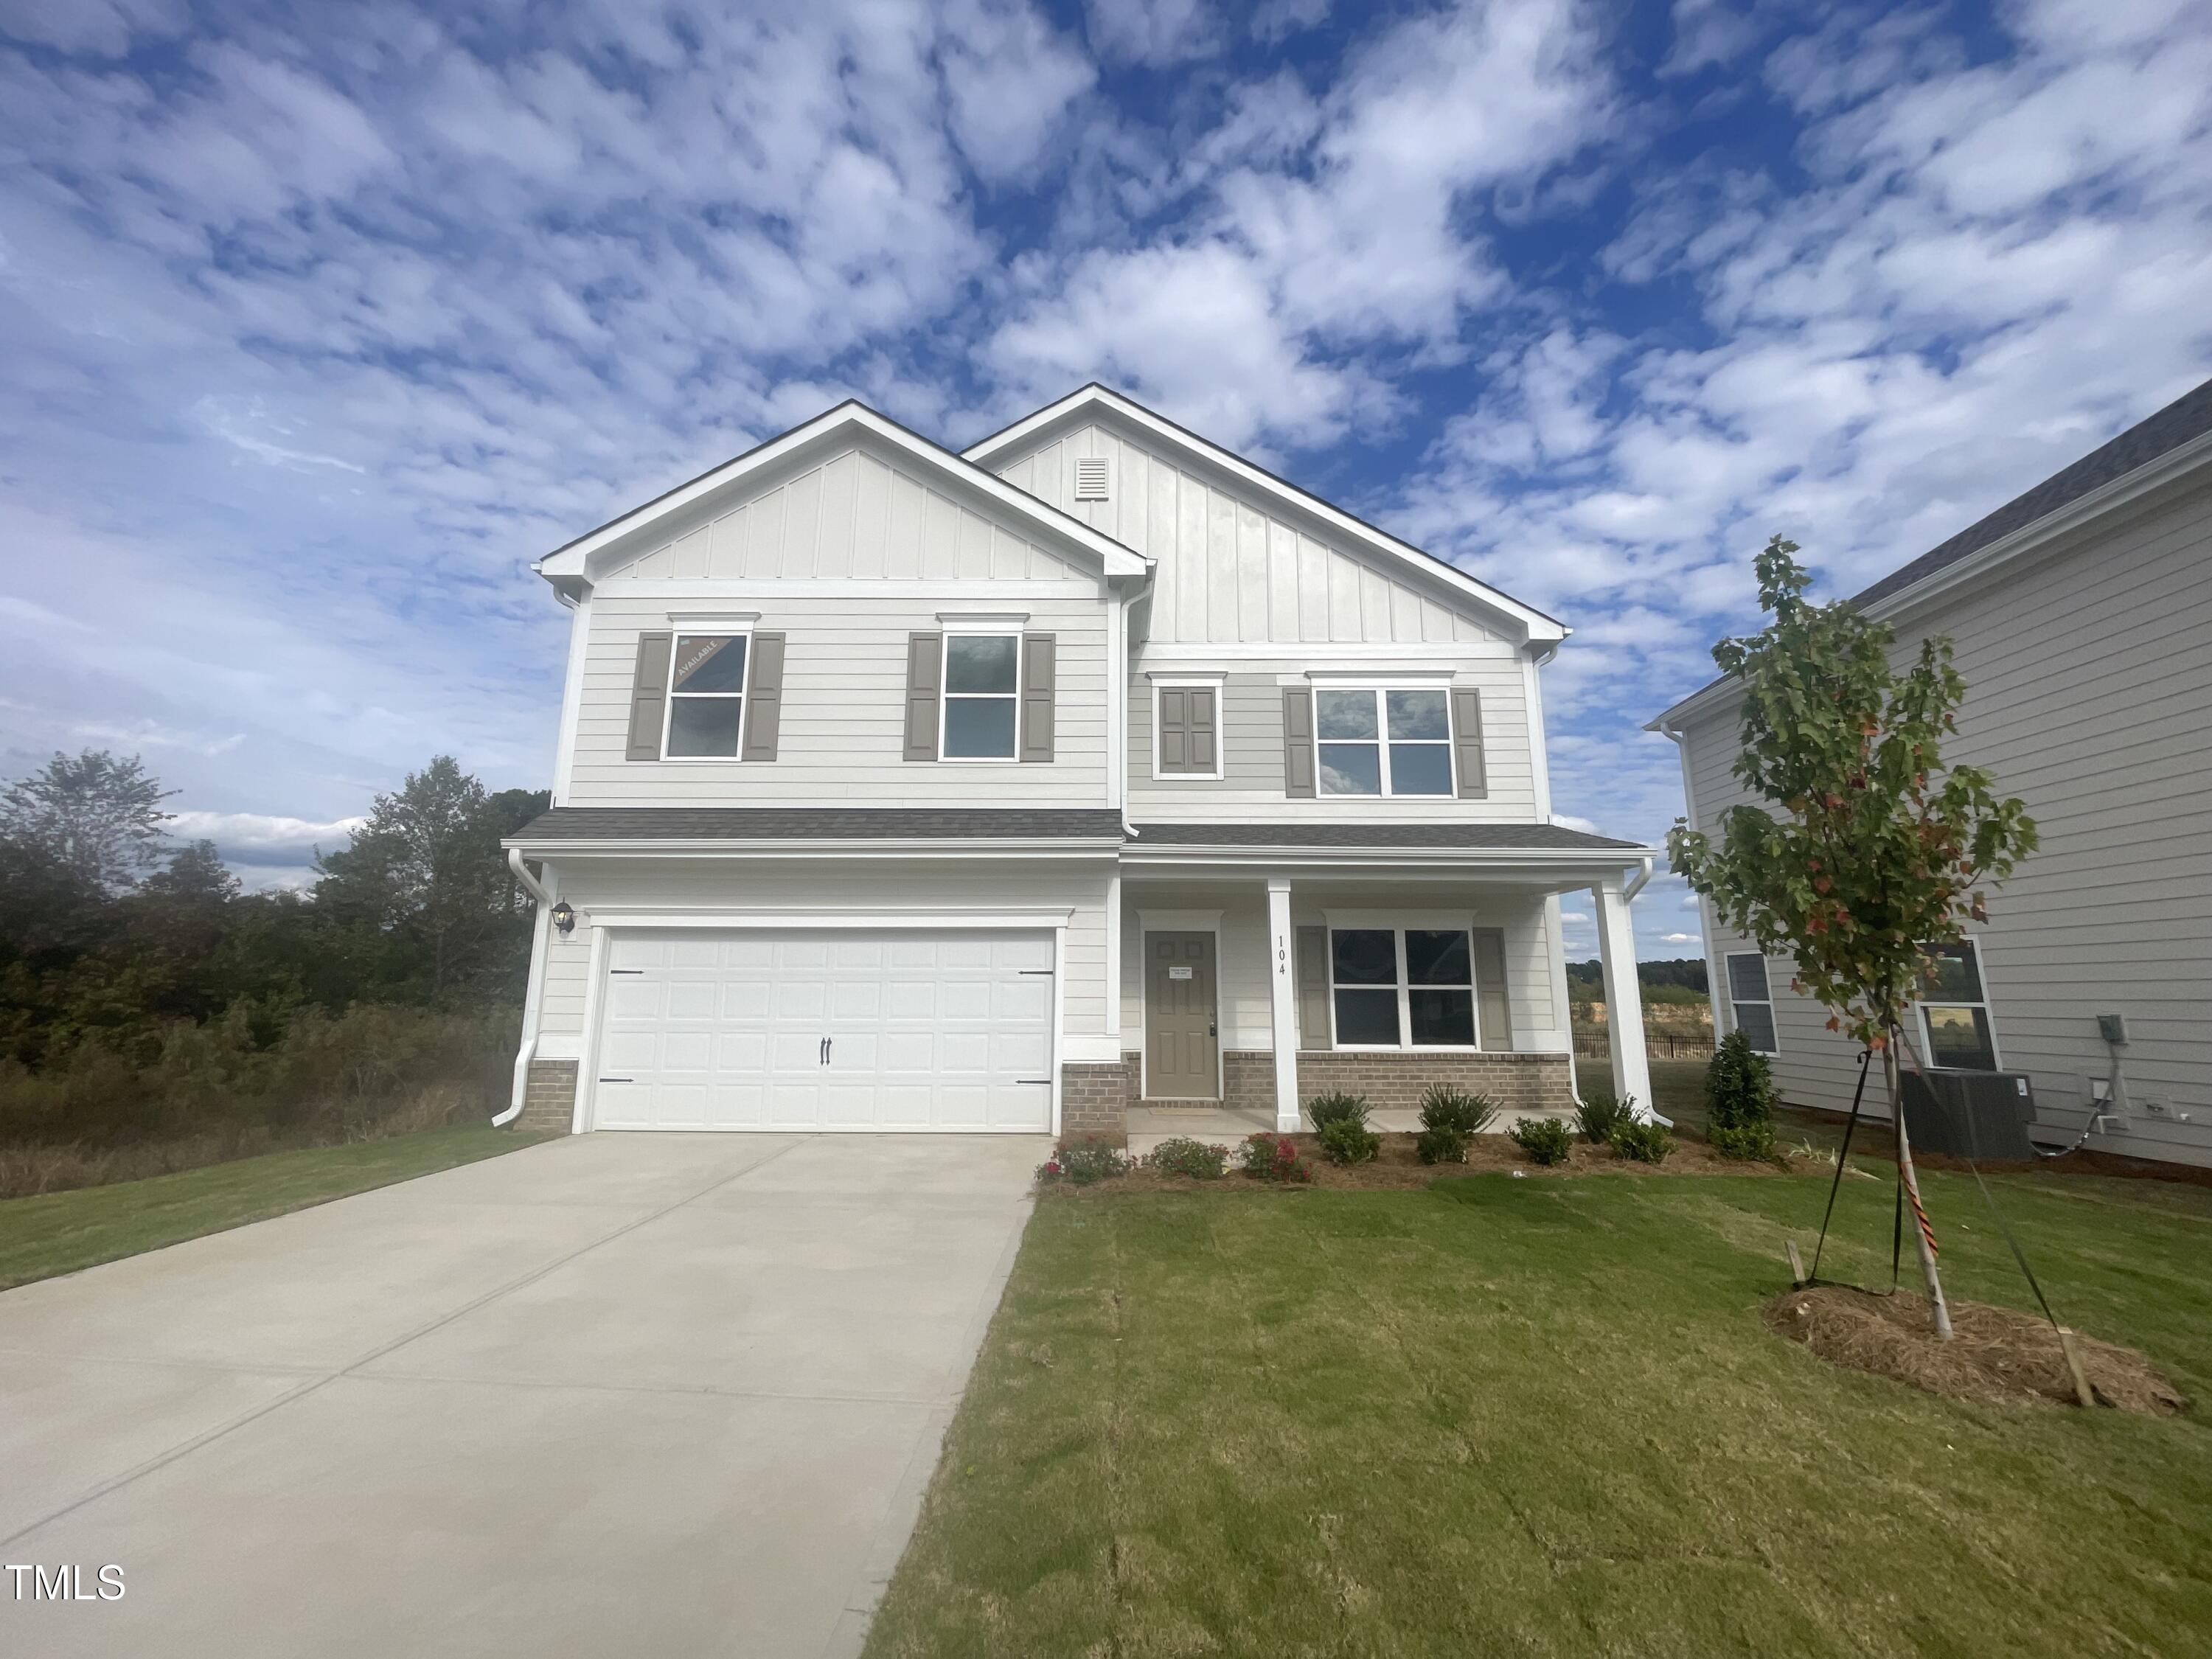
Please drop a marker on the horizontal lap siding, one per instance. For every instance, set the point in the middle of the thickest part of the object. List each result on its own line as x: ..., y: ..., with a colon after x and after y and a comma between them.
x: 1251, y: 787
x: 2089, y: 695
x: 770, y: 886
x: 843, y: 713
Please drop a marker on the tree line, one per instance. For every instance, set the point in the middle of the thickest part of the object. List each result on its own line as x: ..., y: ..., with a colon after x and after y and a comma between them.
x: 111, y: 930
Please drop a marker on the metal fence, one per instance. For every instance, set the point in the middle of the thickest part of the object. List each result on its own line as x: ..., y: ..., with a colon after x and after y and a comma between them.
x: 1657, y: 1045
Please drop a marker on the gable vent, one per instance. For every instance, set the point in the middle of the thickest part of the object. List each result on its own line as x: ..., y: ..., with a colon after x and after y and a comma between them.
x: 1091, y: 478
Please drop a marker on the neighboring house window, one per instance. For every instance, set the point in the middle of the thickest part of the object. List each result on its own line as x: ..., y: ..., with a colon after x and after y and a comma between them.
x: 1381, y: 742
x: 1753, y: 1001
x: 1187, y: 728
x: 1954, y: 1010
x: 706, y: 696
x: 1401, y: 987
x: 982, y: 680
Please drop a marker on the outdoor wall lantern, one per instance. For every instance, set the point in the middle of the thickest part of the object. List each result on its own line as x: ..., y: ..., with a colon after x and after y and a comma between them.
x: 564, y: 918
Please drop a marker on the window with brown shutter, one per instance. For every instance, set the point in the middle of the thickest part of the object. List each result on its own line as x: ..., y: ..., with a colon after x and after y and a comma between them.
x: 1186, y: 729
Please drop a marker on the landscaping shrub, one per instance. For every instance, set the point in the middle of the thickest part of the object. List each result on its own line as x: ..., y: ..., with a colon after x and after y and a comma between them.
x: 1739, y: 1099
x: 1642, y: 1142
x: 1601, y: 1113
x: 1544, y: 1138
x: 1325, y: 1109
x: 1347, y: 1140
x: 1272, y: 1158
x: 1084, y: 1163
x: 1184, y: 1157
x: 1446, y: 1108
x: 1441, y: 1144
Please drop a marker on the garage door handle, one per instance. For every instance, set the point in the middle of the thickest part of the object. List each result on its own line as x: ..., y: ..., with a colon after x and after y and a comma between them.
x: 825, y: 1051
x: 625, y: 971
x: 617, y: 1079
x: 1045, y: 1080
x: 1047, y: 972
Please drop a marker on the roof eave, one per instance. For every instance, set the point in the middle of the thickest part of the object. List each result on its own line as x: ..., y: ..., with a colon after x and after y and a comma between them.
x: 1540, y: 627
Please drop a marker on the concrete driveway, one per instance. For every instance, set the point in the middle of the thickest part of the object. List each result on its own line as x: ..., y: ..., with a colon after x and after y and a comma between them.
x: 665, y: 1395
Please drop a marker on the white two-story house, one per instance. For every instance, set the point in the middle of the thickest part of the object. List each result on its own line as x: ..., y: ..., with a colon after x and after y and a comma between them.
x: 904, y: 789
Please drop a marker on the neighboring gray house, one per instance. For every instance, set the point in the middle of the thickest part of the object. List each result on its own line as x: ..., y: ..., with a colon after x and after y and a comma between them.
x: 2081, y: 613
x: 899, y: 788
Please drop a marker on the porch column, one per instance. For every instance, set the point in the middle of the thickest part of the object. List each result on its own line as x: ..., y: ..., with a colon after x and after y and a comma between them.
x: 1283, y: 1002
x: 1624, y: 995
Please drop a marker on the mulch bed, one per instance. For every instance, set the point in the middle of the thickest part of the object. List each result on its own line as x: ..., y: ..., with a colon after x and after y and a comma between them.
x: 1397, y: 1169
x: 1998, y: 1356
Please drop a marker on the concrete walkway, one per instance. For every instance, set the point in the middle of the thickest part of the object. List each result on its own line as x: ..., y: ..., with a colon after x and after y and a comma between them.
x: 665, y: 1395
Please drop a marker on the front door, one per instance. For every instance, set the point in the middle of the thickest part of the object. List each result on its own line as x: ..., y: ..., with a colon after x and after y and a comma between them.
x: 1181, y: 1048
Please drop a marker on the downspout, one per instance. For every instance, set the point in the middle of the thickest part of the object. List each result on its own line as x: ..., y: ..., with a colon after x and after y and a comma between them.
x: 528, y: 1051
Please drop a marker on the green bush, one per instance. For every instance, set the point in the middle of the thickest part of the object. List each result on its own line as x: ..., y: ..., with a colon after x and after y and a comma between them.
x: 1642, y: 1142
x: 1272, y: 1158
x: 1446, y: 1108
x: 1441, y: 1144
x: 1601, y: 1113
x: 1344, y: 1141
x: 1544, y: 1138
x: 1184, y: 1157
x: 1739, y: 1099
x: 1084, y: 1163
x: 1325, y: 1109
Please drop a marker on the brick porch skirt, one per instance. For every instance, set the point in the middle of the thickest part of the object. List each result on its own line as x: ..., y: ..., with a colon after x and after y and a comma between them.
x: 1525, y: 1083
x: 549, y: 1099
x: 1094, y: 1099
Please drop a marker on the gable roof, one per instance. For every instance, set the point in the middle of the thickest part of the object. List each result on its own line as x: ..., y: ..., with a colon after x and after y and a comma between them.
x: 825, y: 432
x: 2187, y: 416
x: 1096, y: 396
x: 2179, y: 436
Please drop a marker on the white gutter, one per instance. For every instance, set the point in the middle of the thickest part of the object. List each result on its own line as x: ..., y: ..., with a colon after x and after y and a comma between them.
x: 702, y: 847
x: 1628, y: 893
x: 519, y: 1089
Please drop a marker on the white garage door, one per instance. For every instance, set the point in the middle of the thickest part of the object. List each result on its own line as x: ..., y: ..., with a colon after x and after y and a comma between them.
x: 826, y: 1030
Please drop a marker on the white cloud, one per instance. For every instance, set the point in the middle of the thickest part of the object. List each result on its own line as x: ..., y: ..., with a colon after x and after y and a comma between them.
x: 1679, y: 938
x: 1153, y: 33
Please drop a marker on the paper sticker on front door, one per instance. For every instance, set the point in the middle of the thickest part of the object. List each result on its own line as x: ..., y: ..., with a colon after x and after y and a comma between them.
x: 1178, y: 973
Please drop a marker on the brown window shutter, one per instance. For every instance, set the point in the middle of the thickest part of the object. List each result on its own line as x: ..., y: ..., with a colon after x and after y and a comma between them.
x: 1037, y: 678
x: 925, y: 674
x: 1312, y: 965
x: 1467, y: 742
x: 1297, y: 743
x: 649, y: 696
x: 1204, y: 728
x: 764, y: 698
x: 1497, y: 1014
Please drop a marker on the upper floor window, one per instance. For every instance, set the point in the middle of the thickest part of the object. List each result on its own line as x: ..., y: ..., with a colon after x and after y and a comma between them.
x: 982, y: 696
x: 1187, y: 728
x: 1954, y: 1010
x: 1377, y: 741
x: 706, y: 696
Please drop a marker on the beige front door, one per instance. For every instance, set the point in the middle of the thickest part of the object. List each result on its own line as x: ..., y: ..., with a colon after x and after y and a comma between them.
x: 1181, y: 1048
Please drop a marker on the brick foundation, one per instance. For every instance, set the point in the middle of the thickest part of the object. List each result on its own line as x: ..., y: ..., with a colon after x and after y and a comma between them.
x: 1519, y: 1083
x: 1094, y: 1098
x: 549, y: 1099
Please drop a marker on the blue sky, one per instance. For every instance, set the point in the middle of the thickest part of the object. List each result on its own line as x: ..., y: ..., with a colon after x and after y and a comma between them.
x: 317, y: 325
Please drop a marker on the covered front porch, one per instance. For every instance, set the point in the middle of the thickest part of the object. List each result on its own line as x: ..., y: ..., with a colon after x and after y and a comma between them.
x: 1254, y: 978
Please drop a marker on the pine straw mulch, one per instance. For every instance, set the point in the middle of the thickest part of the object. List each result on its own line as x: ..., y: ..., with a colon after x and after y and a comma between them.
x: 1395, y: 1169
x: 1996, y: 1356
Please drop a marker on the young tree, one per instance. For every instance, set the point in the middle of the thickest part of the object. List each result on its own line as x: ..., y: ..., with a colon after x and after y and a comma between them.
x: 1867, y: 850
x: 95, y: 815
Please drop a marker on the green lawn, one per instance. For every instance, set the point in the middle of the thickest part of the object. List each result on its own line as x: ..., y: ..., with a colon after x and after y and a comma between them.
x: 1541, y: 1416
x: 60, y: 1232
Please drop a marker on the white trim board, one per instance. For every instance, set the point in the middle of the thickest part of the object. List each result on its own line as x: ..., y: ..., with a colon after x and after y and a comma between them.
x: 1094, y: 399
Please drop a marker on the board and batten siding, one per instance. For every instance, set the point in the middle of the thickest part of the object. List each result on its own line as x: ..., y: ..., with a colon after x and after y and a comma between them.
x: 1247, y: 1019
x: 843, y: 715
x: 770, y: 885
x: 1251, y: 788
x: 1230, y: 568
x: 855, y: 517
x: 2089, y: 695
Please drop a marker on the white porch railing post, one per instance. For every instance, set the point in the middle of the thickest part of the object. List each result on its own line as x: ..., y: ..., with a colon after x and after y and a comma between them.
x: 1624, y: 996
x: 1283, y: 1002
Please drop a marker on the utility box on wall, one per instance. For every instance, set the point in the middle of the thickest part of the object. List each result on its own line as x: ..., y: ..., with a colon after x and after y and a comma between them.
x: 1978, y: 1115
